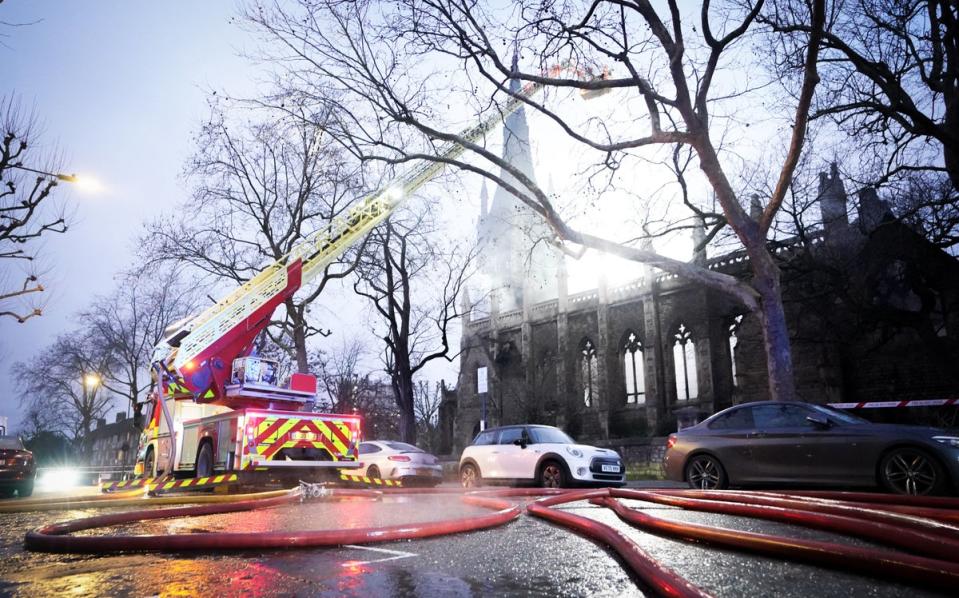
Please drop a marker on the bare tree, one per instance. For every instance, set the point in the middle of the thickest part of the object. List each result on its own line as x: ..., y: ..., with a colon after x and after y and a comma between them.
x: 413, y: 283
x: 890, y: 76
x: 401, y: 62
x: 28, y: 211
x: 349, y: 389
x: 127, y: 325
x: 64, y: 378
x: 258, y: 189
x: 427, y: 398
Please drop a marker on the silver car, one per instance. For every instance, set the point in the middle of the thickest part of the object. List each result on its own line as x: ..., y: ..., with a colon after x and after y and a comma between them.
x: 795, y: 444
x: 393, y: 460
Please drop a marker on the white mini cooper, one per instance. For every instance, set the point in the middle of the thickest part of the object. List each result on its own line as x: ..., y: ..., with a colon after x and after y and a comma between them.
x: 541, y: 455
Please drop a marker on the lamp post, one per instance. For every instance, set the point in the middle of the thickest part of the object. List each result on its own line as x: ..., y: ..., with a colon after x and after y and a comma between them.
x: 68, y: 178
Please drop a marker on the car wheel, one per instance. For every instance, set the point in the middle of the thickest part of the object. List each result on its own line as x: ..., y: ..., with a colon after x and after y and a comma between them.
x: 373, y: 471
x: 204, y: 461
x: 911, y: 471
x: 149, y: 464
x: 551, y: 475
x: 705, y: 472
x: 25, y: 489
x: 470, y: 476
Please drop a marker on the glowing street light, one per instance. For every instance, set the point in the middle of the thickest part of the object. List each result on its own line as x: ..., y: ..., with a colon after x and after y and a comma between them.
x: 91, y: 381
x: 85, y: 183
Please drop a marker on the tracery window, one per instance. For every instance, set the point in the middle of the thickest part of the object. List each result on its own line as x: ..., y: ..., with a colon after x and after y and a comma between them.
x: 589, y: 371
x: 733, y: 342
x: 684, y: 362
x: 633, y: 369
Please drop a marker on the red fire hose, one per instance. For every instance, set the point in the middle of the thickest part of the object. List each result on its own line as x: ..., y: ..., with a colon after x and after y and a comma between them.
x: 660, y: 578
x: 916, y: 519
x: 907, y: 538
x: 870, y: 561
x: 52, y: 538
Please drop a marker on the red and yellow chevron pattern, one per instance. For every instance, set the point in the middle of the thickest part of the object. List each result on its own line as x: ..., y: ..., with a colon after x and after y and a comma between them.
x: 273, y: 434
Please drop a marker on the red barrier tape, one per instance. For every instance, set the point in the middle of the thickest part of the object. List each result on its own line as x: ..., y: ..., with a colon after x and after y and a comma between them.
x: 660, y: 578
x: 870, y: 561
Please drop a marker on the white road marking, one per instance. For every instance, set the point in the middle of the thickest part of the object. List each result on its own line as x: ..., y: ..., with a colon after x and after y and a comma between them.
x: 397, y: 554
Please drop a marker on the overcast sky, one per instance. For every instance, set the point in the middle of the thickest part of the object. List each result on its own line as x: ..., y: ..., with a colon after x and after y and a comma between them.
x: 119, y: 87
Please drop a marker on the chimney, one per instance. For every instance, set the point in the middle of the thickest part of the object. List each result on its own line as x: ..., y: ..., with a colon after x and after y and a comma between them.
x: 832, y: 204
x: 121, y: 415
x: 101, y: 422
x: 872, y: 210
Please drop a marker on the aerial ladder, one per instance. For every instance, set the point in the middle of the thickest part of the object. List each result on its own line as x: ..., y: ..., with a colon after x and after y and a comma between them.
x: 198, y: 359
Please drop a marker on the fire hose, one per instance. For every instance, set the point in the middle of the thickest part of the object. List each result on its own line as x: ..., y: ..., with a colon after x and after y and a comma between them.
x: 892, y: 521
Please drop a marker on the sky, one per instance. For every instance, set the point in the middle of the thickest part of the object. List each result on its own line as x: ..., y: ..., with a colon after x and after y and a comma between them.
x: 120, y: 87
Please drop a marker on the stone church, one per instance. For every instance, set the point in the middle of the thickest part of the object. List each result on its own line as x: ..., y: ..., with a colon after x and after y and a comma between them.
x: 873, y: 311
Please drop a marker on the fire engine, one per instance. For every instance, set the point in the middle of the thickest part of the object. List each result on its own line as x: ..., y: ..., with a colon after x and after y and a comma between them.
x: 216, y: 408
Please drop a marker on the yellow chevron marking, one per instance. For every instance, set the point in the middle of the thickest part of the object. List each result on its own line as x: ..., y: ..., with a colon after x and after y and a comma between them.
x: 169, y: 485
x: 218, y: 479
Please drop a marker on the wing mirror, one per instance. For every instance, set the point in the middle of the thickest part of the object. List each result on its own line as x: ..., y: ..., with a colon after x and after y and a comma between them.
x: 522, y: 441
x: 820, y: 421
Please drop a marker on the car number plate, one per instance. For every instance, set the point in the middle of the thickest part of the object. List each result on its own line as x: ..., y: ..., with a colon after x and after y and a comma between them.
x: 611, y: 468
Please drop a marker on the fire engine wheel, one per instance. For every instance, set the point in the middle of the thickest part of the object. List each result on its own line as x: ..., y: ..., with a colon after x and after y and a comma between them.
x: 373, y: 472
x: 204, y: 461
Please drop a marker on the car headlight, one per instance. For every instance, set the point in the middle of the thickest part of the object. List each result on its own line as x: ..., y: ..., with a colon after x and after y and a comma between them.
x: 574, y: 452
x: 952, y: 441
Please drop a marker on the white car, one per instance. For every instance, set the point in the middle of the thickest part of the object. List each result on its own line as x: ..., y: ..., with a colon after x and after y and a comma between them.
x: 541, y: 455
x: 392, y: 460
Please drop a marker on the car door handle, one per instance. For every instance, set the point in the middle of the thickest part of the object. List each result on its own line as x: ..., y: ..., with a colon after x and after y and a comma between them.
x: 494, y: 452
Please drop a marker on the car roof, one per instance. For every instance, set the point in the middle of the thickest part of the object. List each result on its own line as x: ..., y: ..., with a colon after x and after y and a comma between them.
x: 510, y: 426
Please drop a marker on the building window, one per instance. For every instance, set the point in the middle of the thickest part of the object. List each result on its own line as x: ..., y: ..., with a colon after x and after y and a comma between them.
x: 733, y: 342
x: 633, y: 368
x: 589, y: 372
x: 684, y: 362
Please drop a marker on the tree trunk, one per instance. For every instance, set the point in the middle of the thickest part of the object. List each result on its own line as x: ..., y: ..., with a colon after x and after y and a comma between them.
x: 299, y: 336
x: 772, y: 319
x: 403, y: 389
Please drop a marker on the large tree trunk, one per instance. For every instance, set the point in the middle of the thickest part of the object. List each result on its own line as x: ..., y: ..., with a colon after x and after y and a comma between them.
x: 772, y: 319
x: 403, y: 391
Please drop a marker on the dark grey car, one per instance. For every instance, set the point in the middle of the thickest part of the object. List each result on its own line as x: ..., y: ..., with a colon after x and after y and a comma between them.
x: 795, y: 444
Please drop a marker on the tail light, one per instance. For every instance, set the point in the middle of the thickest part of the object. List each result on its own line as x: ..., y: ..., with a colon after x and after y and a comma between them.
x: 402, y: 458
x: 671, y: 441
x: 250, y: 432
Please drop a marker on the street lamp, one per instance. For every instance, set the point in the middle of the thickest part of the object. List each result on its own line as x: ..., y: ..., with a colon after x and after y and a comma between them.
x: 86, y: 183
x: 68, y: 178
x: 91, y: 381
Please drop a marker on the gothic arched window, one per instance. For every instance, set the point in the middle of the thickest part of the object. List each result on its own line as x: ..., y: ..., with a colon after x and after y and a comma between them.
x: 684, y: 363
x: 734, y: 325
x: 633, y: 369
x: 589, y: 372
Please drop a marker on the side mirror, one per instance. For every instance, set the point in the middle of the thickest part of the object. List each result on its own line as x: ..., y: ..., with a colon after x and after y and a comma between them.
x: 520, y: 442
x: 820, y: 421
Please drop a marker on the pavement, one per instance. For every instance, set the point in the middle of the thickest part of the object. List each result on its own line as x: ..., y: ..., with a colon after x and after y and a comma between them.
x: 527, y: 557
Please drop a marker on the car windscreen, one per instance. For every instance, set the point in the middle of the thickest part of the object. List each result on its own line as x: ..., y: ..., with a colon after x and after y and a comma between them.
x: 839, y: 415
x: 549, y: 435
x: 402, y: 446
x: 10, y: 443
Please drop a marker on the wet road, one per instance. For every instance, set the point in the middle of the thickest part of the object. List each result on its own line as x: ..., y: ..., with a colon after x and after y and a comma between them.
x: 528, y: 557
